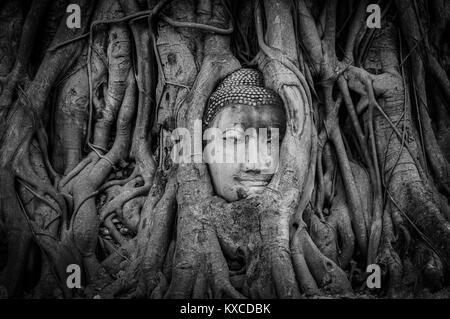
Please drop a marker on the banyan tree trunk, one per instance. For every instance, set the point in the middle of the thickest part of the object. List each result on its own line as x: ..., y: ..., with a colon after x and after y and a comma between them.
x: 88, y: 122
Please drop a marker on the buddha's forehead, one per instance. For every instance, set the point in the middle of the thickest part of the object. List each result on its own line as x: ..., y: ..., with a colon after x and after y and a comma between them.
x: 261, y: 116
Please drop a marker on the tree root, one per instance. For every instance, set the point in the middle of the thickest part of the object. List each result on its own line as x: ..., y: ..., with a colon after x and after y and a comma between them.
x: 328, y: 276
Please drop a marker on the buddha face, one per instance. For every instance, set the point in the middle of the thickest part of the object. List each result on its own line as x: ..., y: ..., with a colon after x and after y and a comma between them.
x: 253, y: 131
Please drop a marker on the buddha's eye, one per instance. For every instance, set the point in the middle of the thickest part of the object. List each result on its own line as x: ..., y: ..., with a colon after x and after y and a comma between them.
x: 233, y: 136
x: 269, y: 136
x: 231, y: 139
x: 272, y: 134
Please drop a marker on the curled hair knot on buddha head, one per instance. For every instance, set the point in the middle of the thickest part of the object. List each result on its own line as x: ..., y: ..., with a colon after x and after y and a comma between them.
x: 244, y: 86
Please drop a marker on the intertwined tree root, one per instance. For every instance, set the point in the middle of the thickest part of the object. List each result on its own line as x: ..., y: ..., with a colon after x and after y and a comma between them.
x: 86, y: 175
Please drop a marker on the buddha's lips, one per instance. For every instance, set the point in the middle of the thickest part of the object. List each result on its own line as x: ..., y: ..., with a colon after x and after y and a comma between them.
x: 253, y: 184
x: 257, y: 180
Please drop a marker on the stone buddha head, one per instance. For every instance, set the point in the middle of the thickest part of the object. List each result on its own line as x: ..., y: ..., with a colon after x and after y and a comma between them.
x: 251, y: 123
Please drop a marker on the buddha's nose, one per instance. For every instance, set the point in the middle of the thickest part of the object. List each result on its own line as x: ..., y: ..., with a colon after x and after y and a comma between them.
x: 252, y: 167
x: 261, y: 165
